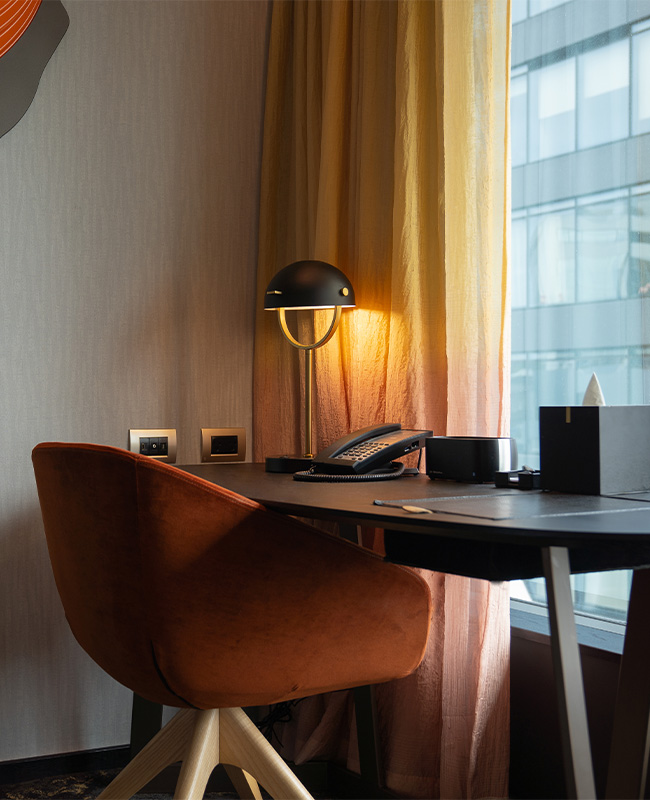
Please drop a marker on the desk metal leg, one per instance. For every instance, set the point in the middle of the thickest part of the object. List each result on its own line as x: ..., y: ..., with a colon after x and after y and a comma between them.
x: 365, y: 708
x: 628, y: 763
x: 146, y: 722
x: 350, y: 532
x: 574, y: 730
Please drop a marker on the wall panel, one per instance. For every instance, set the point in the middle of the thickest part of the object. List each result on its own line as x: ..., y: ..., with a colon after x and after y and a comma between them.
x: 128, y: 200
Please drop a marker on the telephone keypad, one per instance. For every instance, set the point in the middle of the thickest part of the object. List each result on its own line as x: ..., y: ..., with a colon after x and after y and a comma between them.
x: 362, y: 450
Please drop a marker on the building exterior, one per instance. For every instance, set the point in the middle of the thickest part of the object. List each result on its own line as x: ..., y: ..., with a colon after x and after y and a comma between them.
x: 580, y: 114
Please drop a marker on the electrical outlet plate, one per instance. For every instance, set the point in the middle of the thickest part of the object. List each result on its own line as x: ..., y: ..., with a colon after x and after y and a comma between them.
x: 136, y: 434
x: 230, y: 444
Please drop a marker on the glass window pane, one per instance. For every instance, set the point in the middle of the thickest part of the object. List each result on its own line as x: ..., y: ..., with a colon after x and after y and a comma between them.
x: 602, y: 251
x: 641, y: 83
x: 556, y: 378
x: 519, y: 263
x: 638, y: 360
x: 611, y: 365
x: 519, y: 10
x: 530, y: 455
x: 539, y: 6
x: 552, y: 121
x: 522, y: 391
x: 603, y: 102
x: 551, y: 250
x: 518, y: 114
x: 602, y: 593
x: 639, y: 277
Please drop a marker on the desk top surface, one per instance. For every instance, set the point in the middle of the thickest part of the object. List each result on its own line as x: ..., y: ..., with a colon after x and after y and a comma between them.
x: 511, y: 524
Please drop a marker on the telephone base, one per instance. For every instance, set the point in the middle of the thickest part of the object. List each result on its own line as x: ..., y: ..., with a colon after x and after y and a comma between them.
x: 287, y: 463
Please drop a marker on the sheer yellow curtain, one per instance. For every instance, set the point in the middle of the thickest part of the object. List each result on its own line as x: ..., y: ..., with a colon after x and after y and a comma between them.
x: 385, y: 154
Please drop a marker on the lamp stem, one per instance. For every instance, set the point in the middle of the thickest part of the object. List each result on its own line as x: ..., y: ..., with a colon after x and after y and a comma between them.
x: 309, y: 348
x: 309, y: 363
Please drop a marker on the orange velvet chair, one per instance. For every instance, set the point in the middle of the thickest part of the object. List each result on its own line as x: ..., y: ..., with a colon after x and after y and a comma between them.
x: 198, y: 598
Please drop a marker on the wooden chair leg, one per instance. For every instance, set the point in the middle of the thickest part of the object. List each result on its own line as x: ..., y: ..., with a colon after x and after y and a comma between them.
x: 167, y: 747
x: 242, y: 745
x: 201, y: 740
x: 245, y: 785
x: 201, y: 757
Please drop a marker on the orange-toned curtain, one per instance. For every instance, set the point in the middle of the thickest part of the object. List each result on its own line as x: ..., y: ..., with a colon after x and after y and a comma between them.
x: 386, y: 154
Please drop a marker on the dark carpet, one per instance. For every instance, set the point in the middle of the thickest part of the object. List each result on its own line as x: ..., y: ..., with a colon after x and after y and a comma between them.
x: 84, y: 786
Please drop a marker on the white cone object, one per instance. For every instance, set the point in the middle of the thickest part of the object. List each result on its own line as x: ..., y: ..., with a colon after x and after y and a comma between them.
x: 594, y: 394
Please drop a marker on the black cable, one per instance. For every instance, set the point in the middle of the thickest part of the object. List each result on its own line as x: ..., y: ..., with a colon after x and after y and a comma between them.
x: 278, y: 713
x: 395, y: 470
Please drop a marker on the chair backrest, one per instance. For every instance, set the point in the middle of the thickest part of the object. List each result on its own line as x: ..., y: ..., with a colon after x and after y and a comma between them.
x: 190, y: 594
x: 90, y: 507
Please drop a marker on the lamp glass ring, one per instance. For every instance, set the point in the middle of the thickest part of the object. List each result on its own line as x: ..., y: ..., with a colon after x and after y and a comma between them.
x: 328, y: 335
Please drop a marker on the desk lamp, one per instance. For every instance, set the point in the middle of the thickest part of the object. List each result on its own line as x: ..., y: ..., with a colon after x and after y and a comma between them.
x: 306, y: 285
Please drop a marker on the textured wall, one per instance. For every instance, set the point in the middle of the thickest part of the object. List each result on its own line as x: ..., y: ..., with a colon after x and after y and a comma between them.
x: 128, y: 217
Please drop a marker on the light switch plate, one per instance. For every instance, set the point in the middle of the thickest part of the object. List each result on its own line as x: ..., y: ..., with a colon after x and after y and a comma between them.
x: 223, y: 444
x: 139, y: 439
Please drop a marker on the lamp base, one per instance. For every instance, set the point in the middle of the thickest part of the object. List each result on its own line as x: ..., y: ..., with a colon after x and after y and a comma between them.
x: 287, y: 463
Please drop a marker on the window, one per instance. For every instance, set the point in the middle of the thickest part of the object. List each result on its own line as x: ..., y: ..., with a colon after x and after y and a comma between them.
x: 519, y: 262
x: 551, y: 235
x: 640, y: 71
x: 519, y: 10
x: 552, y: 122
x: 539, y: 6
x: 604, y: 77
x: 560, y: 103
x: 602, y: 249
x: 518, y: 111
x: 639, y: 274
x: 580, y: 250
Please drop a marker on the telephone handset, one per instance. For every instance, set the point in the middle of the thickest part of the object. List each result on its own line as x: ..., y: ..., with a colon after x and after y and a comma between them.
x: 366, y: 454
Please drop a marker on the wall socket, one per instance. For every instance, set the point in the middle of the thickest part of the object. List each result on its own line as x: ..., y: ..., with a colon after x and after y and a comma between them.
x: 158, y: 443
x: 223, y: 444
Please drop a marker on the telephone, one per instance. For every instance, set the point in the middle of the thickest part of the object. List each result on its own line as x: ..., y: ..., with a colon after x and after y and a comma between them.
x: 366, y: 454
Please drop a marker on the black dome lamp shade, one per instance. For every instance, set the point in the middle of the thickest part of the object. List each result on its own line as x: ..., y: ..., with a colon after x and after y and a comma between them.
x: 309, y: 285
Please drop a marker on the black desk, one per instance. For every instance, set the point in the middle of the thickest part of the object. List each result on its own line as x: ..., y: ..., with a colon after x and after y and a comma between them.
x: 504, y: 534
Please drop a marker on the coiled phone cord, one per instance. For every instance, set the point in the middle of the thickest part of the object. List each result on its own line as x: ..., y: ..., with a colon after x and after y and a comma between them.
x: 395, y: 470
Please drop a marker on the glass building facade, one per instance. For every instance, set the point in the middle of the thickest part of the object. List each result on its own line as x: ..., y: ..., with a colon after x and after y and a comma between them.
x: 580, y: 256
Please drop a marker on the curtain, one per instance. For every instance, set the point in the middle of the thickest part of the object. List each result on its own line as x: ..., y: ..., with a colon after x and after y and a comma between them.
x: 386, y: 154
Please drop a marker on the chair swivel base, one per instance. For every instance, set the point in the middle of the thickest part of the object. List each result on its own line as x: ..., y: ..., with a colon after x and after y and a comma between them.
x: 201, y: 740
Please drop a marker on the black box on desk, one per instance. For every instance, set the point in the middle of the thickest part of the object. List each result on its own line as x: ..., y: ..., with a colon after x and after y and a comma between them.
x: 474, y: 459
x: 595, y: 449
